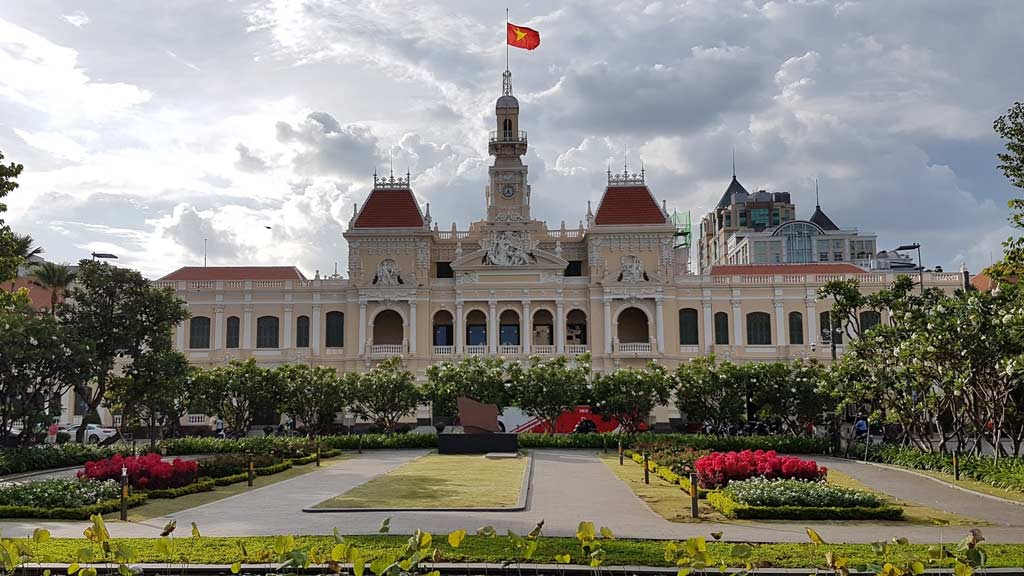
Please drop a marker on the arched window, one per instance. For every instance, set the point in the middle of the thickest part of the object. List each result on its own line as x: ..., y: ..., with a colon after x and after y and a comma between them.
x: 688, y: 327
x: 199, y: 332
x: 266, y: 332
x: 543, y: 326
x: 796, y: 328
x: 302, y: 332
x: 335, y: 330
x: 868, y: 320
x: 759, y: 329
x: 633, y: 326
x: 576, y: 327
x: 506, y: 128
x: 232, y: 335
x: 828, y: 330
x: 508, y: 328
x: 721, y: 328
x: 443, y: 332
x: 388, y: 328
x: 476, y: 328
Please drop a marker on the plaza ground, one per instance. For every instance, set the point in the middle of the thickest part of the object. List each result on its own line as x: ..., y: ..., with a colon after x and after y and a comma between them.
x: 567, y: 486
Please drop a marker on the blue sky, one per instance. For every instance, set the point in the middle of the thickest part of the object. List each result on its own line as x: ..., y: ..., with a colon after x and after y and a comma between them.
x: 145, y: 127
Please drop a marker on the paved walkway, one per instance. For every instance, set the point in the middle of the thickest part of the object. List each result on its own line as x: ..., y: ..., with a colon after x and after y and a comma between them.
x: 913, y: 488
x: 568, y: 486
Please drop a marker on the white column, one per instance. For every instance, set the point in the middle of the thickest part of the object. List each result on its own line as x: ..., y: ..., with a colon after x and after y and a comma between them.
x: 460, y: 331
x: 492, y: 327
x: 780, y: 324
x: 289, y: 329
x: 362, y: 328
x: 709, y: 324
x: 247, y: 327
x: 527, y: 327
x: 314, y: 328
x: 659, y: 323
x: 812, y: 322
x: 180, y: 333
x: 559, y: 327
x: 218, y: 327
x: 737, y: 324
x: 412, y: 327
x: 608, y: 327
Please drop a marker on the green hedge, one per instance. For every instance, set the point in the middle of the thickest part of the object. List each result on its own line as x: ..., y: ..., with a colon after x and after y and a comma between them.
x: 300, y: 447
x: 229, y: 480
x: 1007, y: 473
x: 732, y: 509
x: 81, y: 513
x: 18, y: 460
x: 202, y: 485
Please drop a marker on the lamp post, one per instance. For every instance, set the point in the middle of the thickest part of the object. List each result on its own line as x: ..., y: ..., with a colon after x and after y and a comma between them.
x: 124, y: 493
x: 920, y: 265
x: 103, y: 256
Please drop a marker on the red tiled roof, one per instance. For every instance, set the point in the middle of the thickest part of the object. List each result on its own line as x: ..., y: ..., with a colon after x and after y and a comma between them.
x: 816, y: 268
x: 628, y: 205
x: 389, y: 209
x: 983, y: 283
x: 37, y: 295
x: 235, y: 273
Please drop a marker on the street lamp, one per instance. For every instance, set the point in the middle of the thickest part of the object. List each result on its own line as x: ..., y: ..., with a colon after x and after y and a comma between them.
x: 828, y: 334
x: 104, y: 256
x: 920, y: 266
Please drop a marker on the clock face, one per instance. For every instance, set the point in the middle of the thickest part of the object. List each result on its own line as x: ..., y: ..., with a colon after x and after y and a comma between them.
x: 507, y: 177
x: 508, y: 192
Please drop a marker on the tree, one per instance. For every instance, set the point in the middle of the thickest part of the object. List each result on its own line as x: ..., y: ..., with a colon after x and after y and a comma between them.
x: 38, y: 364
x: 546, y: 389
x: 118, y: 315
x: 710, y: 392
x: 55, y: 277
x: 155, y: 389
x: 237, y: 392
x: 9, y: 258
x: 789, y: 392
x: 1010, y: 128
x: 385, y: 394
x: 313, y: 395
x: 630, y: 394
x: 477, y: 378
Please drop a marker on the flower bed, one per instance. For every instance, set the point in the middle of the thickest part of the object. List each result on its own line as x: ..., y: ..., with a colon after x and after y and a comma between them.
x: 62, y: 498
x: 18, y: 460
x: 732, y: 509
x: 718, y: 469
x: 764, y: 492
x: 679, y: 459
x: 148, y: 472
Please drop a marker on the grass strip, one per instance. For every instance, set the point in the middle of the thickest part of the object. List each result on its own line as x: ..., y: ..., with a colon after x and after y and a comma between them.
x: 440, y: 481
x: 226, y: 550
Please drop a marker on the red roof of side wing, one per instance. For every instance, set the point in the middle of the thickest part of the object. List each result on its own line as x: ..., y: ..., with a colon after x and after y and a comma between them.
x: 235, y: 273
x: 628, y: 205
x: 389, y: 209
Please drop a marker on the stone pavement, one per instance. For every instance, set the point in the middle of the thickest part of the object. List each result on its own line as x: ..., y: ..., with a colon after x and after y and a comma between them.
x: 568, y: 486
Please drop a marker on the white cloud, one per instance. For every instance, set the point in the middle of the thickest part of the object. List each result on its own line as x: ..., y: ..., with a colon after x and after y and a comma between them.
x: 76, y: 19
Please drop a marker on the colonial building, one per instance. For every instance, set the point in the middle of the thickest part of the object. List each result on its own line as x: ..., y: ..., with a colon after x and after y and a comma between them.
x: 617, y: 286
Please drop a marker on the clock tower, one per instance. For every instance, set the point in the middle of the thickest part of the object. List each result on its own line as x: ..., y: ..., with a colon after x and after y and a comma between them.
x: 508, y: 195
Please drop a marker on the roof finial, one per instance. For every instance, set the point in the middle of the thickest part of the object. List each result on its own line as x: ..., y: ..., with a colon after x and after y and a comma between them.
x: 817, y: 201
x: 506, y: 83
x: 391, y: 160
x: 733, y: 162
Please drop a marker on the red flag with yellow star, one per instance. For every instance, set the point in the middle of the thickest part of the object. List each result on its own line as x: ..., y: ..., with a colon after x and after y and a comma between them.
x: 523, y: 37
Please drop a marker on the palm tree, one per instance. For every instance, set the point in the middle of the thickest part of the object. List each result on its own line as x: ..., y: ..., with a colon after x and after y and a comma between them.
x: 24, y: 246
x: 56, y: 277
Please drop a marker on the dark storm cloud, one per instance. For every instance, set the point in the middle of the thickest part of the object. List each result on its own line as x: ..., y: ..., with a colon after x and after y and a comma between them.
x: 329, y: 149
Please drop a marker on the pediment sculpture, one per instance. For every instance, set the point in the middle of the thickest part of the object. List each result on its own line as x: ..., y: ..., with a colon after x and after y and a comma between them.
x: 632, y: 269
x: 507, y: 249
x: 387, y: 274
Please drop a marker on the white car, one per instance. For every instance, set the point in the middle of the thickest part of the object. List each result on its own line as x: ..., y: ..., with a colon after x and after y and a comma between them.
x: 94, y: 433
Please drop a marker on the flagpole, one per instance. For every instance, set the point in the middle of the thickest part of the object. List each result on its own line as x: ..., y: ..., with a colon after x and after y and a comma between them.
x: 506, y: 39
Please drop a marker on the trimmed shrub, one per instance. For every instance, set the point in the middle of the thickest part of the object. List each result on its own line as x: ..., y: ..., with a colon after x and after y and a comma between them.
x: 18, y: 460
x: 732, y: 509
x: 778, y: 492
x: 230, y: 464
x: 203, y: 485
x: 76, y: 513
x: 148, y: 472
x: 718, y: 469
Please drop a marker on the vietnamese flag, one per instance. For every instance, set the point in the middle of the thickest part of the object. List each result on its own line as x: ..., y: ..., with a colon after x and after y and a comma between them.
x: 522, y: 37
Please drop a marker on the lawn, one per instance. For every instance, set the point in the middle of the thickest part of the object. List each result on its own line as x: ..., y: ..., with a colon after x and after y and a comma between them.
x: 667, y: 500
x: 440, y: 481
x: 165, y: 506
x: 260, y: 550
x: 912, y: 511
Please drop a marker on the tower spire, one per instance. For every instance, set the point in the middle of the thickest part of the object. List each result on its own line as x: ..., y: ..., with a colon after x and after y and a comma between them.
x: 733, y: 162
x: 817, y: 200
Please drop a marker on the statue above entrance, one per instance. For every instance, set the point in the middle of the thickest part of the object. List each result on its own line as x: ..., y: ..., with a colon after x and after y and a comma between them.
x: 508, y: 248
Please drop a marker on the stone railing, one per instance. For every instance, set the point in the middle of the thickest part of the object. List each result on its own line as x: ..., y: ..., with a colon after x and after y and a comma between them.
x: 476, y: 350
x: 386, y: 350
x: 451, y: 234
x: 544, y: 349
x: 444, y: 350
x: 633, y: 347
x: 576, y: 349
x: 509, y: 349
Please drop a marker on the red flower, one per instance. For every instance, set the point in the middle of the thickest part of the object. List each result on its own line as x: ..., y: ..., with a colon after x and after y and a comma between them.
x: 717, y: 469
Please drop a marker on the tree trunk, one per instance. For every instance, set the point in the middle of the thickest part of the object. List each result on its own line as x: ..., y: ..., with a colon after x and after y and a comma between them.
x: 152, y: 430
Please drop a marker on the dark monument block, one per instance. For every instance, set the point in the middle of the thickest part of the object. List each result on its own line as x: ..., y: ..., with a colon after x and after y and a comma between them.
x: 477, y: 443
